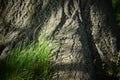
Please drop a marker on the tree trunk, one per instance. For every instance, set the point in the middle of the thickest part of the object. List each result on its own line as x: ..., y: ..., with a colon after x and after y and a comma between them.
x: 81, y: 28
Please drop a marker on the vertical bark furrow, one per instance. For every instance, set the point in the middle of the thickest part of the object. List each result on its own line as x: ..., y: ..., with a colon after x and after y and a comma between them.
x: 73, y: 59
x: 101, y: 30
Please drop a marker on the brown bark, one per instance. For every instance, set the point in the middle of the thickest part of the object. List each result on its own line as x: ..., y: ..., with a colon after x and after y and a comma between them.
x: 81, y: 28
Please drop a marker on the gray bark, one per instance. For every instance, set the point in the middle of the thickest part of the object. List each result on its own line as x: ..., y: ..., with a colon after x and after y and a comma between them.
x: 80, y: 28
x: 102, y: 26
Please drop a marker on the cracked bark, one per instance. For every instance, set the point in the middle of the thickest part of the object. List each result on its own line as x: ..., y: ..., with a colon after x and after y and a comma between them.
x: 80, y: 27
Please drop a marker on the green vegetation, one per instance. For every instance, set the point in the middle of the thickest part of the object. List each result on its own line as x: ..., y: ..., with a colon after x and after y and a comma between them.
x: 116, y: 8
x: 28, y: 61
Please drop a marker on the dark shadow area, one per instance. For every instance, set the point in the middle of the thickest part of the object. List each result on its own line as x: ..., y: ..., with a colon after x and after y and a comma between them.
x: 99, y: 74
x: 109, y: 21
x: 70, y: 67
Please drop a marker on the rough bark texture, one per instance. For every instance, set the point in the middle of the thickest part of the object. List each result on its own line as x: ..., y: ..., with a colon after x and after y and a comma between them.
x: 102, y: 26
x: 82, y: 28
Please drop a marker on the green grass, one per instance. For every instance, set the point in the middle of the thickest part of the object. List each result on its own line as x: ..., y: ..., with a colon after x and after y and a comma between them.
x: 116, y: 8
x: 28, y: 61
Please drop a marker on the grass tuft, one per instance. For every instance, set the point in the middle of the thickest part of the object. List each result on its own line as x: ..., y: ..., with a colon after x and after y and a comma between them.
x: 28, y: 61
